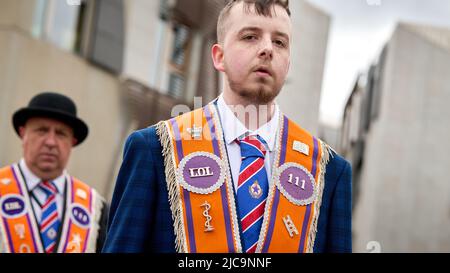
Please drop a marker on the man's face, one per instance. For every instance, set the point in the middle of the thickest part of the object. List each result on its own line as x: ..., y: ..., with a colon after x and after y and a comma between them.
x: 255, y: 53
x: 47, y: 144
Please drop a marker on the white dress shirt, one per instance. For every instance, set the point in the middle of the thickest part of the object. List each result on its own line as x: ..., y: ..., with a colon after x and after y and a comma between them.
x: 234, y: 129
x: 33, y: 181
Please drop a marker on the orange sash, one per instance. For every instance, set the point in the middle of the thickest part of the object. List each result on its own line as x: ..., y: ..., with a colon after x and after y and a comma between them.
x: 201, y: 192
x: 19, y: 230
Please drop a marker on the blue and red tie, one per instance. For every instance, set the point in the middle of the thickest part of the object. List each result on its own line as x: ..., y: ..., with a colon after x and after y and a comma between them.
x: 49, y: 224
x: 252, y: 190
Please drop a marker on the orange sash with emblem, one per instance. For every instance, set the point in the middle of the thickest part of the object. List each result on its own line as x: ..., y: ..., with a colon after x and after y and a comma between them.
x: 19, y: 229
x: 201, y: 192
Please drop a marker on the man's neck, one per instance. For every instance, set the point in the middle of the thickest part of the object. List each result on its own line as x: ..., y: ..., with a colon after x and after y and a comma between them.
x: 44, y: 176
x: 252, y: 115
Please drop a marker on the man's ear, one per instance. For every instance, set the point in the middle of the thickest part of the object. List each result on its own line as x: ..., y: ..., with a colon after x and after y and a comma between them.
x: 218, y: 57
x: 21, y: 131
x: 74, y: 141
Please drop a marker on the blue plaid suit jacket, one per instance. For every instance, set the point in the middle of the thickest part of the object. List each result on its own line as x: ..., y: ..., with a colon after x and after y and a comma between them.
x: 140, y: 219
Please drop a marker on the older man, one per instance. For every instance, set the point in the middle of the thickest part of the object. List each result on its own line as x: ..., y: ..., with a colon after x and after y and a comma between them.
x: 236, y: 175
x: 44, y: 209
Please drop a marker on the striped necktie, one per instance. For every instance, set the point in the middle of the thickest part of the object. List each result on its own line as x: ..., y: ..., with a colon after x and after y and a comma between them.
x: 252, y: 190
x: 49, y: 224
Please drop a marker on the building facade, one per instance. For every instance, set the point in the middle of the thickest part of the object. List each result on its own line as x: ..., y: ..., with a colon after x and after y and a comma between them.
x: 403, y: 187
x: 127, y: 63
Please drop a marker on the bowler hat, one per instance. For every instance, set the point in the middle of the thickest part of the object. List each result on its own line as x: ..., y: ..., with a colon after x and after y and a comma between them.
x: 54, y: 106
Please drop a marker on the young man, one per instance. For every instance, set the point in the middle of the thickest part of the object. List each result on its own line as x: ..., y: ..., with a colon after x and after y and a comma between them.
x: 237, y: 175
x: 43, y: 209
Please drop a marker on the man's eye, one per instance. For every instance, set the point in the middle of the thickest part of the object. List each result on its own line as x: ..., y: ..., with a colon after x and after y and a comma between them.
x: 250, y: 37
x: 280, y: 43
x: 62, y: 133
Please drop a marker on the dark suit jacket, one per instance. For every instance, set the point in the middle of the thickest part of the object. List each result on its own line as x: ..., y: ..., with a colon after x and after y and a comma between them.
x: 103, y: 228
x: 140, y: 216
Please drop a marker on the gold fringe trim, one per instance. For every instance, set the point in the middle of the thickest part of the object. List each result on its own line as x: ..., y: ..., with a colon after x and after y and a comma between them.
x: 172, y: 186
x: 97, y: 204
x: 325, y: 158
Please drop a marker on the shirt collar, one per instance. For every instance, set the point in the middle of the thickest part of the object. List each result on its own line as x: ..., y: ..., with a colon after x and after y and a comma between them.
x: 234, y: 129
x: 33, y: 181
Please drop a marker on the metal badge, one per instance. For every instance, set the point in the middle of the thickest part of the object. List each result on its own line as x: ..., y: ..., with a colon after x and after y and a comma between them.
x: 200, y: 172
x: 208, y: 226
x: 290, y: 226
x: 82, y: 194
x: 20, y: 230
x: 6, y: 181
x: 195, y: 132
x: 255, y: 190
x: 74, y: 246
x: 301, y: 147
x: 24, y: 248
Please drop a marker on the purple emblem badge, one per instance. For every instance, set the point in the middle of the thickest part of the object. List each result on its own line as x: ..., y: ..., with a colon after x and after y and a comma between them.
x: 12, y: 206
x: 297, y: 184
x: 201, y: 173
x: 80, y: 216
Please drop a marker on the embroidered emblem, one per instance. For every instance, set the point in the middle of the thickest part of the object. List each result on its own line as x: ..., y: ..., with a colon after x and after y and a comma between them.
x: 12, y: 206
x: 195, y: 132
x: 296, y: 184
x: 74, y: 246
x: 82, y: 194
x: 301, y: 147
x: 290, y: 226
x: 6, y: 181
x: 201, y: 172
x: 255, y: 190
x: 80, y: 216
x: 24, y: 248
x: 208, y: 226
x: 20, y: 231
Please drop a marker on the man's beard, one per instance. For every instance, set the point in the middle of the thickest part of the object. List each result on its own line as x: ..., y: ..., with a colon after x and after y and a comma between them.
x: 261, y: 94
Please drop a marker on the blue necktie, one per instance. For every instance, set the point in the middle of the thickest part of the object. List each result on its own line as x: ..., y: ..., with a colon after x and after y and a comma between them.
x: 252, y: 190
x: 49, y: 224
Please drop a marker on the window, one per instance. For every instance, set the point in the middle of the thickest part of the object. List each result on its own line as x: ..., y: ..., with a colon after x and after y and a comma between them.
x: 56, y: 21
x: 176, y: 85
x: 179, y: 60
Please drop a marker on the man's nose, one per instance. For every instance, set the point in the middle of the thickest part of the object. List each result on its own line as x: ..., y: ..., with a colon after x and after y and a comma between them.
x: 50, y: 139
x: 266, y: 51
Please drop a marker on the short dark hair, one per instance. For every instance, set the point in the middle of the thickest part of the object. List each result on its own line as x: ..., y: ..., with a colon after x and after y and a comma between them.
x: 262, y: 7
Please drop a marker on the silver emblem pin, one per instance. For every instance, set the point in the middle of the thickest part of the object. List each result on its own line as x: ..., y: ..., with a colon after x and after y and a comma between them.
x: 74, y: 245
x: 24, y: 248
x: 82, y: 194
x: 195, y: 132
x: 290, y: 226
x: 20, y: 230
x: 6, y: 181
x: 301, y: 147
x: 208, y: 226
x: 200, y: 172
